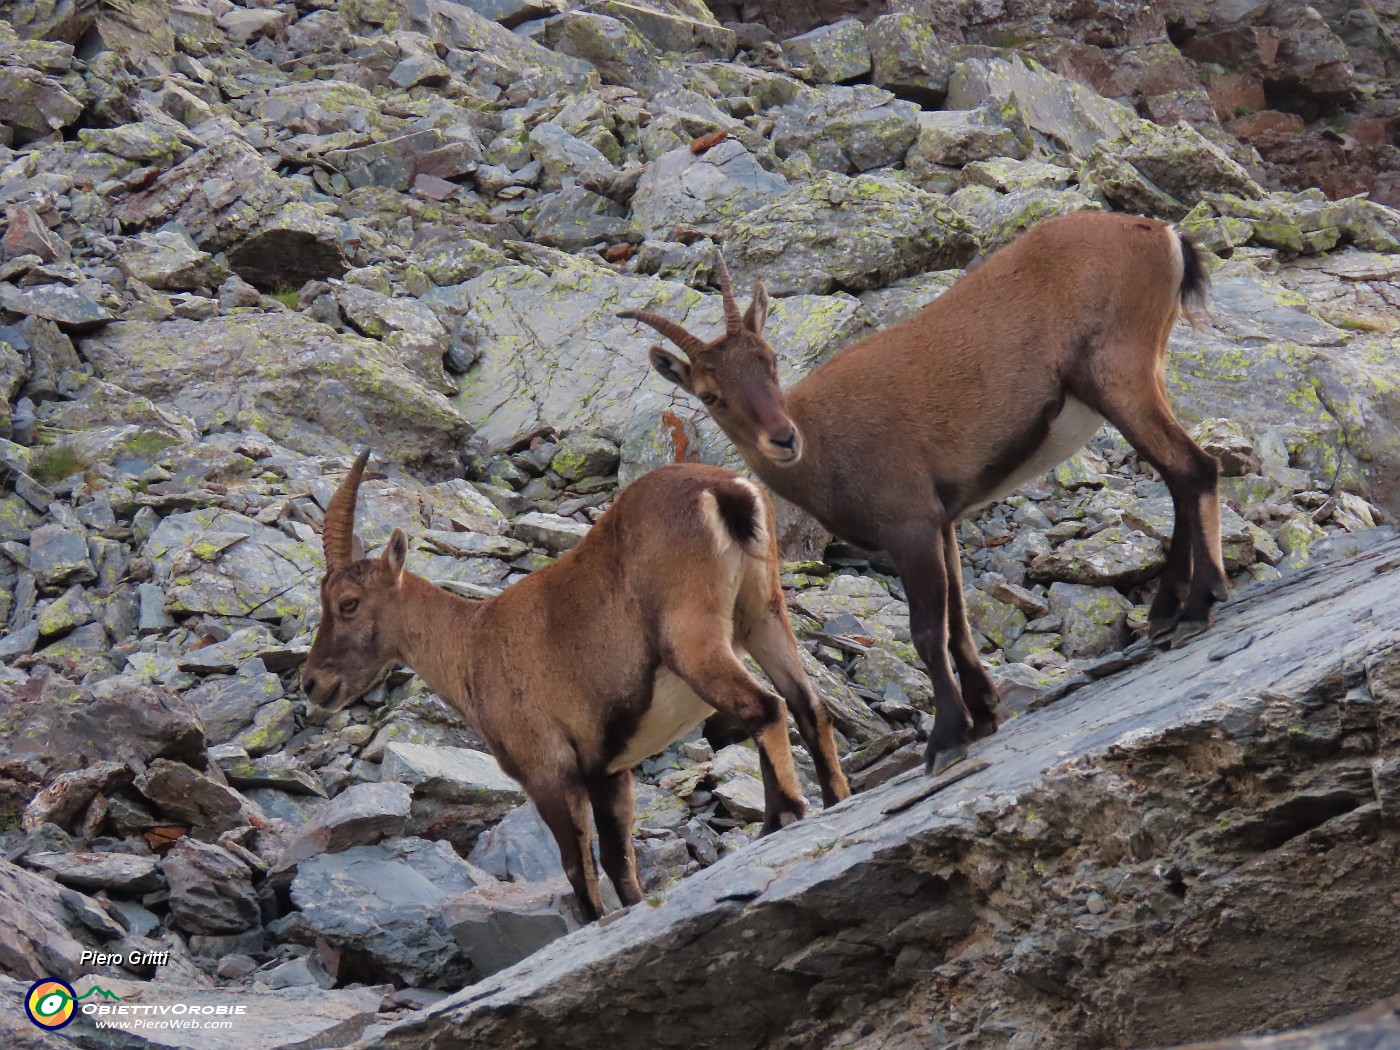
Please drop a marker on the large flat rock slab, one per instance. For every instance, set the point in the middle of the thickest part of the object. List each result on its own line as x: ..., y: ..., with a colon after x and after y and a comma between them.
x: 1191, y: 848
x: 554, y: 352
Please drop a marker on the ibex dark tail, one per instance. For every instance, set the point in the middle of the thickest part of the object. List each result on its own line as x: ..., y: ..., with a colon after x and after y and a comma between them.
x: 1194, y: 283
x: 743, y: 510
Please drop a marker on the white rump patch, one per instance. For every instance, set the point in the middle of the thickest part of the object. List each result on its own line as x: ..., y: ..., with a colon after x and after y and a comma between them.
x: 1178, y: 259
x: 724, y: 539
x: 758, y: 546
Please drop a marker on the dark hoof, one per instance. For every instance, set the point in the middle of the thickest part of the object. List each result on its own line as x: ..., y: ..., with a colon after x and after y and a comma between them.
x: 1160, y: 630
x: 940, y: 761
x: 1186, y: 630
x: 984, y: 727
x: 788, y: 815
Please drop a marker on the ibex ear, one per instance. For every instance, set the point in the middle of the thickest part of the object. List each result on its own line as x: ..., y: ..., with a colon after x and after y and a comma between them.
x: 672, y: 366
x: 395, y: 554
x: 757, y: 315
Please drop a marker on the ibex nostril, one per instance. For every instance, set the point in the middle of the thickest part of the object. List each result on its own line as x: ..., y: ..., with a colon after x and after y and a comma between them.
x: 786, y: 442
x: 308, y: 685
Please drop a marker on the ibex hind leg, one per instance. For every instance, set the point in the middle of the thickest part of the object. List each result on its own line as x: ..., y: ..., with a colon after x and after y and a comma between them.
x: 1175, y: 581
x: 701, y: 655
x: 978, y: 690
x: 1194, y: 578
x: 1209, y: 583
x: 771, y: 643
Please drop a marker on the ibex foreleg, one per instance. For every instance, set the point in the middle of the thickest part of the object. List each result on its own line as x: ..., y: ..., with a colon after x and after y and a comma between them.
x: 613, y: 807
x: 564, y: 806
x: 919, y: 556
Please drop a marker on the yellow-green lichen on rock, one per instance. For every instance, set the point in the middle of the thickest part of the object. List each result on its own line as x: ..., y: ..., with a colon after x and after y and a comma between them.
x: 999, y: 217
x: 849, y: 233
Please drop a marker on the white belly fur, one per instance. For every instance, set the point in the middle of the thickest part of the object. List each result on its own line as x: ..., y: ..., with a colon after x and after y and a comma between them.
x: 675, y: 710
x: 1070, y: 432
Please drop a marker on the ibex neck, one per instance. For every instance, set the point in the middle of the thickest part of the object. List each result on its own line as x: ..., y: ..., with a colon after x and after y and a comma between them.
x: 435, y: 637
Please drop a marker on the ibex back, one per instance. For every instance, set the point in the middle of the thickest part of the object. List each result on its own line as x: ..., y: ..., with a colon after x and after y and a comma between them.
x: 591, y: 664
x: 1007, y: 374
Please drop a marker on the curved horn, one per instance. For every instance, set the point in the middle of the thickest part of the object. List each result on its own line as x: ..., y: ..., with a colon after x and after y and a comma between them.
x: 733, y: 317
x: 691, y: 344
x: 338, y: 532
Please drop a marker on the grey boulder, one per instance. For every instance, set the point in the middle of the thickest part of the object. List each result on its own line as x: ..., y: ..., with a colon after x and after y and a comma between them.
x: 835, y: 232
x: 220, y: 195
x: 457, y: 793
x: 120, y: 873
x: 498, y: 924
x: 831, y: 53
x: 47, y: 927
x: 519, y: 849
x: 382, y: 907
x: 1068, y: 117
x: 847, y: 129
x: 361, y: 815
x: 707, y: 190
x: 223, y: 563
x: 114, y: 720
x: 167, y: 260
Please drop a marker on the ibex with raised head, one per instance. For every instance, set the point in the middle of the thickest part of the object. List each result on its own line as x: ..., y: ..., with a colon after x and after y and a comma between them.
x: 596, y: 661
x: 1005, y: 375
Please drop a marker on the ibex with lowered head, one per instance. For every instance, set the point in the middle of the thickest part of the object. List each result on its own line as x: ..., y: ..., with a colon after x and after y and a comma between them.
x: 1005, y: 375
x: 596, y: 661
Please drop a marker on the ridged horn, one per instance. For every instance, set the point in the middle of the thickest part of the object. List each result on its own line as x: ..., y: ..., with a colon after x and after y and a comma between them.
x: 338, y: 532
x: 733, y: 316
x: 691, y: 344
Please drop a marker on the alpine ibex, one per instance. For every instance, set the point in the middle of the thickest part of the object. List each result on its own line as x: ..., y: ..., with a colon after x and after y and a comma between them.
x: 1005, y: 375
x: 597, y: 661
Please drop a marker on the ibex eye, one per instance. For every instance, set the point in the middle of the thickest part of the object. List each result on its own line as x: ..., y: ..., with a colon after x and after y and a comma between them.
x: 348, y: 606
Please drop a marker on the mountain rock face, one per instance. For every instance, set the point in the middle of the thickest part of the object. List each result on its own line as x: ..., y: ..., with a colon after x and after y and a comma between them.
x: 241, y: 240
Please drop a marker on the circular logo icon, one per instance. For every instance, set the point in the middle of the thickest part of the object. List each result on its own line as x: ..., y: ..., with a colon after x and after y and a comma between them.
x: 49, y: 1003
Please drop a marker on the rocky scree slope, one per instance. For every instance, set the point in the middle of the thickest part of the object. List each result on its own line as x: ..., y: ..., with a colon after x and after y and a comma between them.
x: 242, y: 241
x: 1311, y: 87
